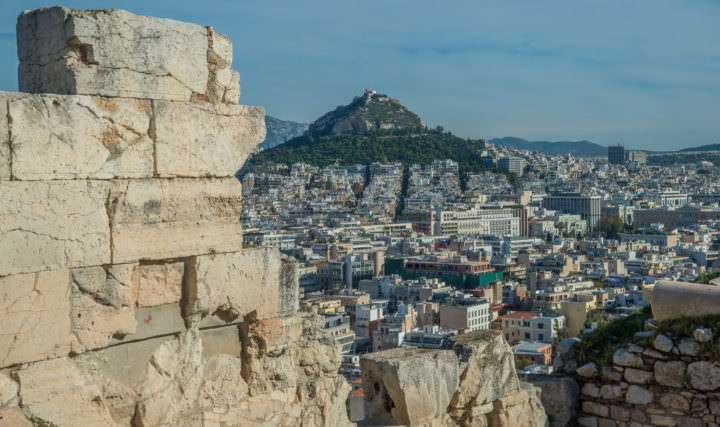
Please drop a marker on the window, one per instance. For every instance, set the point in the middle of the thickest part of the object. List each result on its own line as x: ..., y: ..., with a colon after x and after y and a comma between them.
x: 541, y: 337
x: 527, y: 335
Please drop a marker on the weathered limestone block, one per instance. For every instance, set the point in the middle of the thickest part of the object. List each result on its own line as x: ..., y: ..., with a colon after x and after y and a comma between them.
x: 698, y: 300
x: 559, y: 397
x: 224, y: 83
x: 221, y: 341
x: 77, y: 137
x: 53, y: 225
x: 671, y: 374
x: 663, y: 343
x: 259, y: 281
x: 487, y: 368
x: 8, y: 389
x: 520, y: 409
x: 34, y: 316
x: 155, y: 321
x: 113, y: 285
x: 95, y: 324
x: 159, y: 219
x: 704, y: 375
x: 414, y: 385
x: 172, y: 382
x: 588, y: 370
x: 622, y: 357
x: 4, y: 141
x: 111, y: 53
x: 223, y: 385
x: 638, y: 395
x: 102, y: 305
x: 57, y: 393
x: 204, y: 139
x: 14, y: 417
x: 268, y: 358
x: 638, y: 376
x: 160, y: 284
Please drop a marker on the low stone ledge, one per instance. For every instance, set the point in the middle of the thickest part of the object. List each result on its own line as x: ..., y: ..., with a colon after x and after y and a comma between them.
x: 697, y: 300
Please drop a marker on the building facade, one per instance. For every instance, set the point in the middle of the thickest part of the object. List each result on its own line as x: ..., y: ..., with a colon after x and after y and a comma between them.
x: 588, y: 207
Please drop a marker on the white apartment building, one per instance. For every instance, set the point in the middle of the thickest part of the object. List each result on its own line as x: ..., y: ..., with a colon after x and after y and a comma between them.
x: 497, y: 222
x: 470, y: 317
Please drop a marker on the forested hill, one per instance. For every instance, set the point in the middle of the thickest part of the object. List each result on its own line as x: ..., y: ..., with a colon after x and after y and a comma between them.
x: 407, y: 146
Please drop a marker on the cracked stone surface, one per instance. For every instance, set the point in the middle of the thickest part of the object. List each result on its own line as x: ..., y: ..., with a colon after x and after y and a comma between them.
x: 159, y: 219
x: 53, y: 224
x: 94, y: 323
x: 255, y: 280
x: 57, y: 393
x: 111, y: 53
x: 34, y: 316
x: 116, y: 53
x: 205, y: 139
x: 77, y: 137
x: 4, y: 139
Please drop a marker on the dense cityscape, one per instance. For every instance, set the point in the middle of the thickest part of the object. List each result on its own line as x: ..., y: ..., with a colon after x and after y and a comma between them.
x: 408, y: 257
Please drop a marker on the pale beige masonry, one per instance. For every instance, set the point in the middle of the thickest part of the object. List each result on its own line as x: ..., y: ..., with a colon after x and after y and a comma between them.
x: 110, y: 53
x: 169, y: 218
x: 257, y: 280
x: 53, y: 224
x: 160, y: 284
x: 34, y: 316
x: 203, y: 139
x: 4, y: 140
x: 77, y: 137
x: 56, y: 392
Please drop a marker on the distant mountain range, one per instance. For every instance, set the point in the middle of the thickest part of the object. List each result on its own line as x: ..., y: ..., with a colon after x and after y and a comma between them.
x: 576, y: 148
x: 279, y: 131
x: 709, y: 147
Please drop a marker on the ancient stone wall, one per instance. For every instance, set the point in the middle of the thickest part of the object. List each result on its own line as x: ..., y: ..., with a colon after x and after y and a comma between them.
x: 669, y: 377
x: 125, y: 295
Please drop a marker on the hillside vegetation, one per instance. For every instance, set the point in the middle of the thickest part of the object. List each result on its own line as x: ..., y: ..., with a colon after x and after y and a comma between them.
x: 407, y: 146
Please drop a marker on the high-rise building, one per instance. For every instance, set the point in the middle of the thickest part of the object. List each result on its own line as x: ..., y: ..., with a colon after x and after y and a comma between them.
x: 588, y: 207
x: 616, y: 155
x: 514, y: 165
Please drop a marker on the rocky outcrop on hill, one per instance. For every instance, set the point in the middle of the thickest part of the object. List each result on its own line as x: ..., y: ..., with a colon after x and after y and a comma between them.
x: 371, y: 111
x: 279, y: 131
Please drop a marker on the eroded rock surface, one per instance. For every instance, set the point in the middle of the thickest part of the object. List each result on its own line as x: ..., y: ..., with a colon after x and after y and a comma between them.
x: 113, y: 52
x: 473, y: 384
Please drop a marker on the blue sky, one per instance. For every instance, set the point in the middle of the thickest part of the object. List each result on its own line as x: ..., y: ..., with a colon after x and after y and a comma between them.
x: 645, y: 74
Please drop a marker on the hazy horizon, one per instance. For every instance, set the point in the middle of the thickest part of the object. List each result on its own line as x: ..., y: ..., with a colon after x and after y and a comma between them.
x: 644, y: 74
